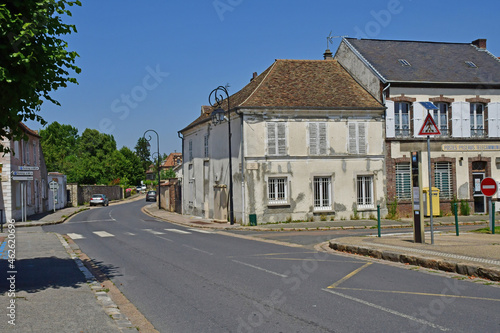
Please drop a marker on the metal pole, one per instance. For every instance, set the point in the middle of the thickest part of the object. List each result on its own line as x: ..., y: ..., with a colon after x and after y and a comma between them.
x: 430, y: 185
x: 157, y: 162
x: 22, y: 201
x: 378, y: 219
x: 455, y: 212
x: 1, y: 220
x: 492, y: 216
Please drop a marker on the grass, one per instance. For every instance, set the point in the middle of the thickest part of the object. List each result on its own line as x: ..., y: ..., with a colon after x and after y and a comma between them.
x: 487, y: 230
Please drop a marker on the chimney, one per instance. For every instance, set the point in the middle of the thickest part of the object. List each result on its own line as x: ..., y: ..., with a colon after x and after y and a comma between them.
x: 254, y: 75
x: 328, y: 55
x: 480, y: 43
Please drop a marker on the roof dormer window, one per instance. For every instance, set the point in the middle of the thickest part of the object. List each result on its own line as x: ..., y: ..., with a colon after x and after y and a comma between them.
x: 404, y: 62
x: 471, y: 64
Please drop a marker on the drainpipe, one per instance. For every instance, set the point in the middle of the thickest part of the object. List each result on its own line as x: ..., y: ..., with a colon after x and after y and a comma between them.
x: 183, y: 171
x: 242, y: 153
x: 383, y: 92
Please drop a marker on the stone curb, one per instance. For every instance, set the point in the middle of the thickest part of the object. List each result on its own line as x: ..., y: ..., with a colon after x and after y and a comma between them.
x: 110, y: 308
x: 423, y: 261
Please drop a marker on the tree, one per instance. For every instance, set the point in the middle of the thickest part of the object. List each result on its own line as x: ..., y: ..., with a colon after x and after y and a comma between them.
x: 168, y: 173
x: 142, y: 151
x: 134, y: 169
x: 34, y: 61
x: 58, y: 142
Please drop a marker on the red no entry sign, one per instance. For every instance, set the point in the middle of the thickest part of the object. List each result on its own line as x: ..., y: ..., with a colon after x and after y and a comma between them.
x: 489, y: 186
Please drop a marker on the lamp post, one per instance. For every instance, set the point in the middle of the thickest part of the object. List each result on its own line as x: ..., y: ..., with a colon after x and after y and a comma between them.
x: 218, y: 116
x: 157, y: 160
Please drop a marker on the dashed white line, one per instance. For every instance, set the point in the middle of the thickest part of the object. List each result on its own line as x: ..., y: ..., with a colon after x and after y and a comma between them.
x: 202, y: 231
x: 260, y: 268
x: 129, y: 233
x: 196, y: 249
x: 75, y: 236
x: 179, y: 231
x: 154, y: 232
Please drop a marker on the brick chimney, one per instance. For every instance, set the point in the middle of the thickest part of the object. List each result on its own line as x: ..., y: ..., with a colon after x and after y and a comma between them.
x: 254, y: 75
x: 328, y: 55
x: 481, y: 43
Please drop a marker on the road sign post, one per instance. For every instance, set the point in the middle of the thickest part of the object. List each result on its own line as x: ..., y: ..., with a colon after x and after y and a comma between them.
x: 489, y: 187
x: 54, y: 186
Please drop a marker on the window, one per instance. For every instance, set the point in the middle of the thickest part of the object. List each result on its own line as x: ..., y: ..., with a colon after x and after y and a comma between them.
x: 357, y: 138
x: 276, y: 138
x: 442, y: 179
x: 441, y: 117
x: 44, y: 189
x: 34, y: 153
x: 206, y: 145
x: 322, y: 193
x: 403, y: 181
x: 16, y: 149
x: 190, y: 150
x: 317, y: 139
x: 402, y: 119
x: 365, y: 192
x: 477, y: 120
x: 277, y: 190
x: 26, y: 153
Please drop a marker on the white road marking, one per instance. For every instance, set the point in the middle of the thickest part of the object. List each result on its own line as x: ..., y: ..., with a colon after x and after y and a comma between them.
x: 260, y: 268
x: 129, y: 234
x: 91, y: 221
x: 194, y: 248
x: 421, y: 321
x: 75, y: 236
x: 179, y: 231
x: 202, y: 231
x: 165, y: 238
x: 103, y: 234
x: 154, y: 232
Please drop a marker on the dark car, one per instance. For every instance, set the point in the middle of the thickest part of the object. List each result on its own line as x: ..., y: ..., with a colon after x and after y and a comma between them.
x: 99, y: 199
x: 151, y: 196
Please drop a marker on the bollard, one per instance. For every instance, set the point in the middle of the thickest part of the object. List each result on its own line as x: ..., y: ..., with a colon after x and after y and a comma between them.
x: 378, y: 219
x: 455, y: 212
x: 492, y: 217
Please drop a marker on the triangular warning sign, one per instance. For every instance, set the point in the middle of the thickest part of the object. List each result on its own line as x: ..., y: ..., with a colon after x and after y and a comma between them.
x: 429, y: 127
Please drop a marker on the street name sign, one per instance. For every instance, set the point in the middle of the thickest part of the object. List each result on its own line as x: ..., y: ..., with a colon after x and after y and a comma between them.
x: 22, y: 173
x: 21, y: 178
x: 489, y: 186
x: 29, y: 168
x: 429, y: 127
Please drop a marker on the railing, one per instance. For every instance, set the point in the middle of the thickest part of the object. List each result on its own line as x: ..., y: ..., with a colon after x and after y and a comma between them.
x: 477, y: 132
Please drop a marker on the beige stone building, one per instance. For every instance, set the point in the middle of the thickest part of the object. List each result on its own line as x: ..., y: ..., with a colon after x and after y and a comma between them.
x: 463, y: 82
x: 307, y: 143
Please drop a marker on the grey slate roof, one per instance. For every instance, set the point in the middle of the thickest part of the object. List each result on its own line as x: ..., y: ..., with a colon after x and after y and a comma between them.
x: 432, y: 62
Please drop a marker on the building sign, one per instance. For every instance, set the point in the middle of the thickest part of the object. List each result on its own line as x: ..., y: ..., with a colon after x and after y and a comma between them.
x: 470, y: 147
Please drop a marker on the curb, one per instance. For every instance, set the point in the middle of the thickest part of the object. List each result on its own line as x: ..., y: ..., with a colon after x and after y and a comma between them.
x: 423, y: 261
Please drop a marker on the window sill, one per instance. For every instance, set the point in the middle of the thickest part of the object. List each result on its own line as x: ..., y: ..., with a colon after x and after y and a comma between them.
x: 278, y: 204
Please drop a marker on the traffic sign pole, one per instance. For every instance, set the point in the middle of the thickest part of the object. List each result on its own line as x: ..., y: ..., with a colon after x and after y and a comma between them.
x: 489, y: 187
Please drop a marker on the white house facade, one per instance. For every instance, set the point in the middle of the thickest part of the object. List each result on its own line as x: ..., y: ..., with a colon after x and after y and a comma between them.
x: 307, y: 144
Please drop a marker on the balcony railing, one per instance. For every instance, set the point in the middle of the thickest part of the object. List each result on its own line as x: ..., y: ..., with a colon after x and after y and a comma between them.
x: 402, y: 132
x: 477, y: 132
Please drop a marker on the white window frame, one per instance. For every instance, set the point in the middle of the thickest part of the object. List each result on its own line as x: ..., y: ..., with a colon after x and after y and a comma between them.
x: 357, y: 143
x: 277, y: 190
x: 322, y: 193
x: 276, y: 138
x: 437, y: 115
x: 443, y: 179
x: 364, y: 192
x: 318, y: 142
x: 402, y: 129
x: 403, y: 181
x: 477, y: 127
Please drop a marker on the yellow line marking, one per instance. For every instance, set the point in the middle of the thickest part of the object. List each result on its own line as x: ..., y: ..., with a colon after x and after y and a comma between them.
x: 350, y: 275
x: 417, y: 293
x: 271, y: 254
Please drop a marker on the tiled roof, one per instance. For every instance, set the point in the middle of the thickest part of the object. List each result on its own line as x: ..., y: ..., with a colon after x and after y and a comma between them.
x: 170, y: 161
x: 28, y: 130
x: 300, y: 84
x: 429, y: 61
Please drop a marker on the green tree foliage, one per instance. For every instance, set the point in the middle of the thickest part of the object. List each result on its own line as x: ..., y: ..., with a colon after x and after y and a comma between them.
x: 58, y: 142
x: 168, y: 173
x: 142, y: 150
x: 34, y: 61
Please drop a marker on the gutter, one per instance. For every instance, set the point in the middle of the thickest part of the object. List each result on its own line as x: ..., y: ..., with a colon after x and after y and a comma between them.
x: 183, y: 171
x: 242, y: 153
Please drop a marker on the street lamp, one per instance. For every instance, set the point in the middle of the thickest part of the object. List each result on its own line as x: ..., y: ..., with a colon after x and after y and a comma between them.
x: 218, y: 116
x: 157, y: 160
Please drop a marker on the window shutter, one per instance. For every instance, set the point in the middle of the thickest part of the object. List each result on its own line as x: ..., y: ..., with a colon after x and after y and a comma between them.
x: 362, y: 138
x: 465, y: 110
x: 281, y: 138
x: 418, y: 118
x: 271, y: 139
x: 390, y: 130
x: 313, y: 139
x: 323, y: 143
x: 493, y: 121
x: 352, y: 139
x: 456, y: 120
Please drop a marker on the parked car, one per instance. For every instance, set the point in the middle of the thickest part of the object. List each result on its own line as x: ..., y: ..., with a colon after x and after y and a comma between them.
x: 151, y: 196
x: 138, y: 189
x: 99, y: 199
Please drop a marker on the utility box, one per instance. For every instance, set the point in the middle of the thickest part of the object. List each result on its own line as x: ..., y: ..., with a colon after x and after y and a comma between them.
x: 435, y: 202
x: 253, y: 219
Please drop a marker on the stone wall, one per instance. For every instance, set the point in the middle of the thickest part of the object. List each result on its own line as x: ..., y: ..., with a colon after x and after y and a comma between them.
x: 85, y: 192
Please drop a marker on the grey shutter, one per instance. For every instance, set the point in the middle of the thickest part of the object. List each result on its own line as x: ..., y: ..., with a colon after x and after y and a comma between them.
x: 271, y: 138
x: 313, y: 139
x: 352, y: 139
x: 390, y: 130
x: 281, y: 138
x: 323, y: 144
x: 362, y: 138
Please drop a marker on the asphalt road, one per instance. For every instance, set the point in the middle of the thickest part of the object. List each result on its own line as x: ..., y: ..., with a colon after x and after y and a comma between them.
x: 185, y: 280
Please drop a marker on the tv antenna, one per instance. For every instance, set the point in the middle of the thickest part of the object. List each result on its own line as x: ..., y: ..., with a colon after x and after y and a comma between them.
x: 329, y: 39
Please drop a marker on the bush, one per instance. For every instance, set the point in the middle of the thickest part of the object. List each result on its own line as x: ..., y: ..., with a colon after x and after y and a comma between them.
x: 393, y: 210
x: 464, y: 208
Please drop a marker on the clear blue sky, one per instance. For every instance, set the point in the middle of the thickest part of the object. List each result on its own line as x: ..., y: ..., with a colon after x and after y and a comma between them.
x: 152, y: 64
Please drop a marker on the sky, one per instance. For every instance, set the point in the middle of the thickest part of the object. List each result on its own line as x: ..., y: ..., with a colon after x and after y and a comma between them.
x: 152, y: 64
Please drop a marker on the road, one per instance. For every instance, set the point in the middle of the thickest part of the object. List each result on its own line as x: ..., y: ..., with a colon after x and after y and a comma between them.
x: 188, y: 280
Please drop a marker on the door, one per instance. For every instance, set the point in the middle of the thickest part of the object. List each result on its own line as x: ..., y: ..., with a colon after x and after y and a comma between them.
x: 479, y: 198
